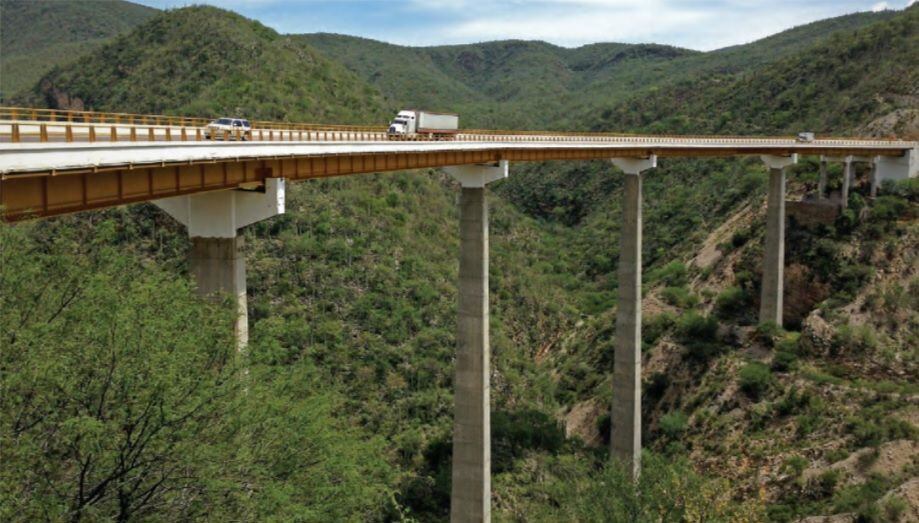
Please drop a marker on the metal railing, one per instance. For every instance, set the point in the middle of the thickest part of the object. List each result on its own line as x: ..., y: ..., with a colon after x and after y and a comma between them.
x: 19, y: 124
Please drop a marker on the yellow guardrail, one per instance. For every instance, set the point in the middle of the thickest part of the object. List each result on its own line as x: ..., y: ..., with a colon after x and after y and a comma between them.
x: 18, y: 124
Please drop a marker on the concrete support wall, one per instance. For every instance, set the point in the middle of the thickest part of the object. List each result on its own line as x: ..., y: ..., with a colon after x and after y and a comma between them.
x: 218, y: 267
x: 625, y: 439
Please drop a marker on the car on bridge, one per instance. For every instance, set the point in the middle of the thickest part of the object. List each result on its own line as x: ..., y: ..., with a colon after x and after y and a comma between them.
x: 228, y: 129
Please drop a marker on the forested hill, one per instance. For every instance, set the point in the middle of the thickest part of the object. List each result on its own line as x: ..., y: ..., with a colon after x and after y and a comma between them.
x: 537, y: 85
x: 174, y: 63
x: 36, y: 35
x: 839, y: 85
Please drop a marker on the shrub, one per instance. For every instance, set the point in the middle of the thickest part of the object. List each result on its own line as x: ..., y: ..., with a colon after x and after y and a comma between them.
x: 755, y: 379
x: 674, y: 424
x: 795, y: 465
x: 858, y: 338
x: 732, y: 302
x: 674, y: 274
x: 700, y: 336
x: 767, y: 333
x: 679, y: 297
x: 784, y: 361
x: 654, y: 327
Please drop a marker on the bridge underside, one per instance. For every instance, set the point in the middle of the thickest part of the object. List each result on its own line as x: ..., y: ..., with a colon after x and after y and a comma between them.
x: 54, y: 192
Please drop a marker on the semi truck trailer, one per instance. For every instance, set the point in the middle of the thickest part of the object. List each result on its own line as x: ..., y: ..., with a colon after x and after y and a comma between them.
x: 411, y: 123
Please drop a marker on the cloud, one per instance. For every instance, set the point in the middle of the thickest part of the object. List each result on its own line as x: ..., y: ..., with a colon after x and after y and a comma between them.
x: 880, y: 6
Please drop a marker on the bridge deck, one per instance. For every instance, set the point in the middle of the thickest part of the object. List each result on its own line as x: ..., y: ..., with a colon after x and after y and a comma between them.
x: 48, y: 166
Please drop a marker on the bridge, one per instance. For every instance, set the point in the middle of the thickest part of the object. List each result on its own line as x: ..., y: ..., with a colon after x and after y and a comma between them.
x: 57, y: 162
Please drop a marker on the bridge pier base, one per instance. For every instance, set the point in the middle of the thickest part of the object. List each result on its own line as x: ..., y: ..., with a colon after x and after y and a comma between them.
x: 625, y: 415
x: 470, y: 496
x: 770, y: 308
x: 216, y: 260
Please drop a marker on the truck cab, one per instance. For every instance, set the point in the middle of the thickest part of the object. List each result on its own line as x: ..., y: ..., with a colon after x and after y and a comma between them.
x: 404, y: 124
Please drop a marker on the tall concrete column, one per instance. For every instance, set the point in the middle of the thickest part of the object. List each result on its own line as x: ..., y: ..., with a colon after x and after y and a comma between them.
x: 821, y: 183
x: 873, y: 177
x: 218, y: 266
x: 216, y: 259
x: 470, y: 495
x: 848, y: 174
x: 770, y: 308
x: 625, y: 415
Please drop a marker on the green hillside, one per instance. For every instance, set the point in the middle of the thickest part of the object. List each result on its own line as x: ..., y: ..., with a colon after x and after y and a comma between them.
x: 529, y: 84
x: 843, y: 82
x: 38, y: 35
x: 173, y: 63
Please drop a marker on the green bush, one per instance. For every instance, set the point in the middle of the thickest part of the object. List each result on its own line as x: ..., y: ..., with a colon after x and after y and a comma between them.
x: 652, y: 328
x: 674, y: 424
x: 679, y: 297
x: 784, y: 361
x: 755, y: 379
x: 732, y: 302
x: 700, y: 336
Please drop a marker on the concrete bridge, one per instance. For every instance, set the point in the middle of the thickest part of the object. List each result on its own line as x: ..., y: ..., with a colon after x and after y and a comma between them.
x: 57, y: 162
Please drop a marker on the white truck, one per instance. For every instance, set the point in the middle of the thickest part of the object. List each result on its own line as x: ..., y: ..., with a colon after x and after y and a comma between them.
x: 413, y: 124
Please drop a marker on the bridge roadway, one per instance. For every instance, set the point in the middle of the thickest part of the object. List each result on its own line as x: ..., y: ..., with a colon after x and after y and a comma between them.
x: 50, y: 168
x: 56, y: 162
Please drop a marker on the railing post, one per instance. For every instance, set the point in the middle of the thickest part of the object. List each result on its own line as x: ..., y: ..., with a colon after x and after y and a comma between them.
x: 168, y: 134
x: 198, y: 135
x: 43, y: 133
x: 68, y: 133
x: 113, y: 134
x: 151, y: 134
x: 14, y: 137
x: 133, y: 134
x: 92, y: 133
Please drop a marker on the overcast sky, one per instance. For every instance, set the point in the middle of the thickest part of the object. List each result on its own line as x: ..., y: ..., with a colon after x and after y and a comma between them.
x: 696, y: 24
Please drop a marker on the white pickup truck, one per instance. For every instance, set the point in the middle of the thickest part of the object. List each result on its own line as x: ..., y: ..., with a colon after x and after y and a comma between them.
x: 410, y: 124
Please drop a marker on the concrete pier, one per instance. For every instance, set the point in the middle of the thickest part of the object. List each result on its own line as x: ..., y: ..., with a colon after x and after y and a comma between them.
x: 848, y: 175
x: 625, y: 416
x: 770, y: 309
x: 216, y: 258
x: 873, y: 178
x: 219, y: 269
x: 470, y: 496
x: 821, y: 183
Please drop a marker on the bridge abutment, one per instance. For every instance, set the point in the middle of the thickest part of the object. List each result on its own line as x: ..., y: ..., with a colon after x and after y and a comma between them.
x: 625, y: 415
x: 470, y: 496
x: 216, y: 260
x: 770, y: 309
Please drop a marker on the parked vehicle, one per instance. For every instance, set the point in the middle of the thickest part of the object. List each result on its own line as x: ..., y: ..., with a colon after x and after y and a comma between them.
x: 229, y: 128
x: 412, y: 123
x: 806, y: 137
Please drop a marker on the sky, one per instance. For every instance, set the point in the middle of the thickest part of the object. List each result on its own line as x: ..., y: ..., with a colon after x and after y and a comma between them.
x: 694, y: 24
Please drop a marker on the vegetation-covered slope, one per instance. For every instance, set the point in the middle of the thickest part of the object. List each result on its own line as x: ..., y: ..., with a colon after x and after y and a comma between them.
x: 207, y: 61
x: 841, y: 83
x: 38, y: 35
